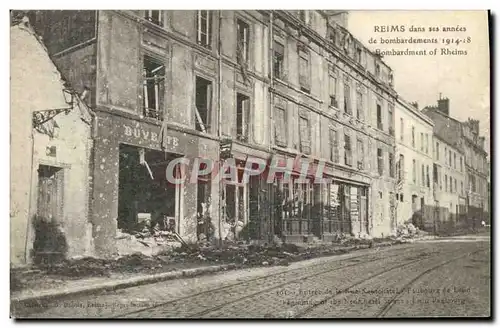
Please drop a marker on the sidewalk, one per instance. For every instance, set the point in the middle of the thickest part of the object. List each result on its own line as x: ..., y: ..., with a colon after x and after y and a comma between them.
x: 49, y: 286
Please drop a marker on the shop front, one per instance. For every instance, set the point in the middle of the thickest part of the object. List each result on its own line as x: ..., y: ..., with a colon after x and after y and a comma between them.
x: 130, y: 186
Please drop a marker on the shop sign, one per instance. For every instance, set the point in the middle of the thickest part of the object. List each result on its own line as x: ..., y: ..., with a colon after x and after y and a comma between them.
x: 141, y: 134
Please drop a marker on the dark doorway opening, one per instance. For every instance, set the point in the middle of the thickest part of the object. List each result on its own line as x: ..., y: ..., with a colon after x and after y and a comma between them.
x: 145, y: 194
x: 50, y: 243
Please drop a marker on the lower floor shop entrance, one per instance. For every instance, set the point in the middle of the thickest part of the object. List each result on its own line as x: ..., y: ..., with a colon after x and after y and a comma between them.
x: 145, y: 196
x: 303, y: 210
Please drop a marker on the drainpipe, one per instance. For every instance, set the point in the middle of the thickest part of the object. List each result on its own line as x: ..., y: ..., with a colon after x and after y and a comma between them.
x: 219, y: 119
x: 30, y: 214
x: 271, y: 110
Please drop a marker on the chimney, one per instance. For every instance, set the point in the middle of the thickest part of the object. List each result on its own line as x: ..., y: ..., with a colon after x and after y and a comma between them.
x: 444, y: 106
x: 414, y: 104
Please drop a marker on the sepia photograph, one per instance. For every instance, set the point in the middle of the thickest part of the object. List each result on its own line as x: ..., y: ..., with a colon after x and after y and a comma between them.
x: 250, y: 164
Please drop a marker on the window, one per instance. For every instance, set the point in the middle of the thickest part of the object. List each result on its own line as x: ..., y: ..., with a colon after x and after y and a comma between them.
x: 413, y: 136
x: 242, y: 42
x: 380, y: 161
x: 401, y: 167
x: 153, y: 74
x: 280, y: 131
x: 437, y: 151
x: 347, y: 98
x: 435, y: 173
x: 359, y: 105
x: 361, y: 154
x: 422, y: 182
x: 402, y: 129
x: 445, y: 155
x: 204, y: 28
x: 451, y: 184
x: 304, y: 72
x: 347, y: 150
x: 390, y: 118
x: 428, y: 177
x: 414, y: 171
x: 462, y: 186
x: 333, y: 90
x: 304, y: 16
x: 203, y: 104
x: 455, y: 182
x: 421, y: 141
x: 279, y: 60
x: 358, y: 55
x: 449, y: 157
x: 242, y: 115
x: 380, y: 126
x: 391, y: 165
x: 401, y: 197
x: 461, y: 164
x: 426, y: 143
x: 454, y: 160
x: 446, y: 182
x: 154, y: 16
x: 305, y: 135
x: 377, y: 70
x: 334, y: 150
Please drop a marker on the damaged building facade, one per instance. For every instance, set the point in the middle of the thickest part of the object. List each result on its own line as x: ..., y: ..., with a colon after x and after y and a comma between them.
x: 415, y: 171
x: 459, y: 150
x: 50, y: 142
x: 267, y: 84
x: 332, y: 100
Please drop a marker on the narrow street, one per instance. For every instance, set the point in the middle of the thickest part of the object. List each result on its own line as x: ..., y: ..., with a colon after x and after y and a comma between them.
x: 446, y: 278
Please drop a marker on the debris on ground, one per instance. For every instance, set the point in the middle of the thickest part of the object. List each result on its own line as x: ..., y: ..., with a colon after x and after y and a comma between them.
x: 178, y: 257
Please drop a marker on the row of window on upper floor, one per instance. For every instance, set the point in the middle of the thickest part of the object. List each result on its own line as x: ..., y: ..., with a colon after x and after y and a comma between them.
x: 204, y: 21
x: 450, y: 157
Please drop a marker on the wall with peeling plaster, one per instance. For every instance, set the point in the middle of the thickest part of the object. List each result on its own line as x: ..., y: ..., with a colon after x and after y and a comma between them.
x: 36, y: 85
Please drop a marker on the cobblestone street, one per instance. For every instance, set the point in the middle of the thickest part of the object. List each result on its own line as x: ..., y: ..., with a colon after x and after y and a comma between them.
x: 448, y: 278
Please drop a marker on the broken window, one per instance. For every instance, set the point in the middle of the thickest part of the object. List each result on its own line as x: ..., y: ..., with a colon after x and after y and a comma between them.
x: 380, y: 125
x: 145, y: 197
x: 380, y: 161
x: 334, y: 147
x: 204, y: 28
x: 203, y: 104
x: 154, y: 16
x: 304, y: 71
x: 347, y: 98
x: 242, y: 115
x: 347, y: 150
x: 305, y: 135
x: 243, y: 38
x: 333, y: 91
x: 153, y: 87
x: 279, y: 59
x: 280, y: 127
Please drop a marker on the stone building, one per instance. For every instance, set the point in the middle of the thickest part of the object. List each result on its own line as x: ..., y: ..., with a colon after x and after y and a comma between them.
x: 414, y: 154
x: 465, y: 156
x: 333, y: 100
x: 270, y: 84
x: 50, y: 142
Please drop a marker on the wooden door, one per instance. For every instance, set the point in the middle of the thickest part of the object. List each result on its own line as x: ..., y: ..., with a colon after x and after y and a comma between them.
x: 49, y: 205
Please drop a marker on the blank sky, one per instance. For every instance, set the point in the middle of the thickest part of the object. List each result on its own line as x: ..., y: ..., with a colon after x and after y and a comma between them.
x: 463, y: 79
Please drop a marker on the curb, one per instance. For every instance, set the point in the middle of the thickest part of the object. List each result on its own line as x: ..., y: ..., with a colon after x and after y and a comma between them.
x: 147, y: 279
x: 120, y: 284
